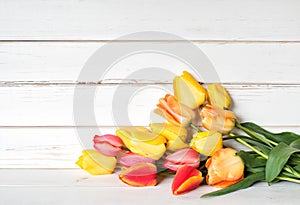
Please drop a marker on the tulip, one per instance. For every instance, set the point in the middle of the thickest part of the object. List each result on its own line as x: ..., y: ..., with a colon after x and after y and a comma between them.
x: 188, y: 91
x: 175, y: 135
x: 140, y: 140
x: 207, y: 143
x: 109, y: 145
x: 214, y: 118
x: 224, y: 168
x: 129, y: 159
x: 96, y: 163
x: 218, y: 96
x: 186, y: 156
x: 142, y: 174
x: 186, y: 179
x: 176, y: 113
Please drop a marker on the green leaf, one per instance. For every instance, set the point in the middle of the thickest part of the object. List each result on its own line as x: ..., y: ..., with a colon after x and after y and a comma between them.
x: 286, y: 137
x: 278, y: 157
x: 245, y: 183
x: 251, y: 160
x: 295, y: 144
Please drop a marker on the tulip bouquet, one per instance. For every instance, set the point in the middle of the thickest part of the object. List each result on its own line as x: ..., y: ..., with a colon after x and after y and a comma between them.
x: 190, y: 145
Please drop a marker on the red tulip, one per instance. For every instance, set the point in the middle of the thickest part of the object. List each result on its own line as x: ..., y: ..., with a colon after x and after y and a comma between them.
x: 142, y: 174
x: 182, y: 157
x: 186, y: 179
x: 108, y: 145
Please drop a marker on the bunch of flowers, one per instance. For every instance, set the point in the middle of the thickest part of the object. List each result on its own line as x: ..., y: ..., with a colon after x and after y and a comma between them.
x: 190, y: 145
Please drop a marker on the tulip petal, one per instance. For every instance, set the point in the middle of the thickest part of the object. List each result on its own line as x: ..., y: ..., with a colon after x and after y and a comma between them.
x: 142, y: 174
x: 169, y: 131
x: 130, y: 159
x: 186, y: 179
x: 182, y: 157
x: 188, y: 91
x: 110, y: 139
x: 107, y: 149
x: 207, y: 143
x: 177, y: 144
x: 96, y: 163
x: 218, y: 96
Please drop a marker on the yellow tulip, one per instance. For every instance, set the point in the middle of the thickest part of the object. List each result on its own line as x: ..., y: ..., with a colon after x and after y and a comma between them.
x: 95, y: 163
x: 188, y: 91
x: 218, y: 96
x: 207, y: 143
x: 175, y: 135
x: 140, y: 140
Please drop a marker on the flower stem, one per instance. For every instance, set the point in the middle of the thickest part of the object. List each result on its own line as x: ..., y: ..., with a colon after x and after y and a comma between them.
x: 257, y: 136
x: 195, y: 127
x: 251, y: 147
x: 289, y: 179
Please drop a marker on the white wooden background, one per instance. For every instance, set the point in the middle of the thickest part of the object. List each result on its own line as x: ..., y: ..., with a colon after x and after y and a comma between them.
x: 44, y: 44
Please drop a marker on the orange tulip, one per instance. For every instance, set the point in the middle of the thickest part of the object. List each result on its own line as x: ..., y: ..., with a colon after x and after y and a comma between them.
x: 214, y: 118
x: 142, y: 174
x: 186, y: 179
x: 176, y: 113
x: 224, y: 168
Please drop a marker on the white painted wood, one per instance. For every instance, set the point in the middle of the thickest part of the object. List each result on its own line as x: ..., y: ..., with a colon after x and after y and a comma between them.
x: 79, y: 20
x: 53, y: 105
x: 48, y: 147
x: 234, y: 62
x: 77, y: 187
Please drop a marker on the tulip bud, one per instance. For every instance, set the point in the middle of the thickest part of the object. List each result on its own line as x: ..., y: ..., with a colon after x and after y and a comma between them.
x: 129, y: 159
x: 224, y: 168
x: 174, y: 112
x: 188, y: 91
x: 214, y: 118
x: 182, y: 157
x: 218, y: 96
x: 96, y: 163
x: 207, y: 143
x: 175, y: 135
x: 108, y: 145
x: 142, y: 174
x: 186, y: 179
x: 140, y: 140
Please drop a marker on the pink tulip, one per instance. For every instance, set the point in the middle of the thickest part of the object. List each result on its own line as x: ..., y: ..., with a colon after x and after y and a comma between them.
x: 186, y: 156
x: 130, y: 159
x: 108, y: 145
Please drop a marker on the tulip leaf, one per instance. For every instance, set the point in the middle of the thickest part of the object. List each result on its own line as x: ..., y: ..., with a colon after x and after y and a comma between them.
x: 278, y: 157
x: 264, y: 148
x: 286, y: 137
x: 245, y: 183
x: 296, y: 144
x: 250, y: 160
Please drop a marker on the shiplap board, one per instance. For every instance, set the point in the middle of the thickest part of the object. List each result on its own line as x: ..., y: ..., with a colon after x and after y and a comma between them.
x: 58, y: 147
x: 79, y: 20
x: 53, y: 105
x: 233, y: 62
x: 77, y: 187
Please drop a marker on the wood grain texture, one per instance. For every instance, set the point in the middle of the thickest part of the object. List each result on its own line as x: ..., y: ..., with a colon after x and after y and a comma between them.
x: 234, y: 62
x: 53, y: 105
x: 57, y: 147
x: 77, y: 187
x: 92, y: 20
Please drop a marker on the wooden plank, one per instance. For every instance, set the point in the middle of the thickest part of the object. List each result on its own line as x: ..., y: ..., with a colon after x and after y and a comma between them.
x: 54, y: 147
x: 233, y: 62
x: 53, y: 105
x: 77, y: 187
x: 101, y: 20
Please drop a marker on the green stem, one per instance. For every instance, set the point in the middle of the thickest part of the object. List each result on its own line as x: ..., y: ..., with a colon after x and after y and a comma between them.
x: 288, y: 179
x: 251, y: 147
x: 249, y: 132
x: 195, y: 127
